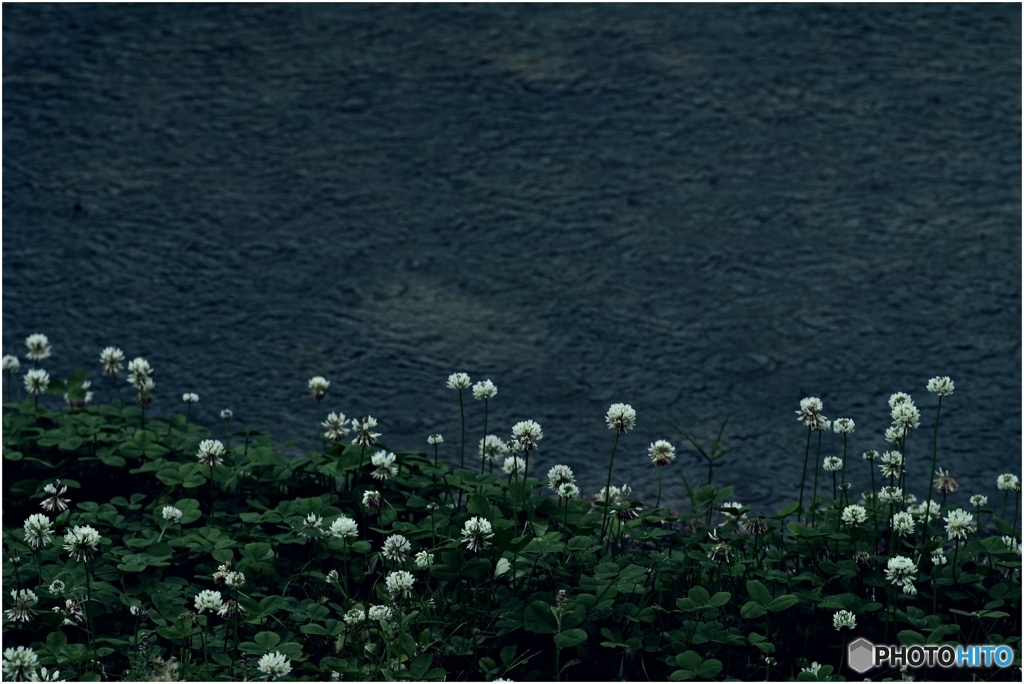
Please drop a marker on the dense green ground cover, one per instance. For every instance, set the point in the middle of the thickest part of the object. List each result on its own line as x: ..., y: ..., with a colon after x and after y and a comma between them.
x: 519, y: 583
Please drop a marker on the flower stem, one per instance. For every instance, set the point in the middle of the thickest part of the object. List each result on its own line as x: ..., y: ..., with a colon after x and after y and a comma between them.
x: 803, y: 477
x: 462, y: 414
x: 658, y: 503
x: 817, y: 467
x: 928, y: 484
x: 482, y: 459
x: 607, y: 489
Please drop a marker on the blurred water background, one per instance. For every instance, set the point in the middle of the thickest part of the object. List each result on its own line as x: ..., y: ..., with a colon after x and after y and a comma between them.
x: 701, y: 210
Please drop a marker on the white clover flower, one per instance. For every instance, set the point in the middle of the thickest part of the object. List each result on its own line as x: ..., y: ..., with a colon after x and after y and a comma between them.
x: 979, y: 501
x: 71, y: 612
x: 621, y: 418
x: 870, y: 455
x: 513, y: 464
x: 906, y: 416
x: 81, y: 542
x: 458, y: 381
x: 190, y: 398
x: 336, y: 426
x: 894, y: 434
x: 49, y: 675
x: 526, y: 434
x: 938, y: 558
x: 57, y: 588
x: 11, y: 363
x: 23, y: 601
x: 661, y: 453
x: 609, y: 494
x: 824, y: 426
x: 275, y: 665
x: 1007, y: 482
x: 380, y: 613
x: 957, y: 523
x: 234, y: 580
x: 85, y: 401
x: 344, y: 527
x: 855, y: 515
x: 941, y: 386
x: 892, y: 464
x: 813, y: 669
x: 38, y: 347
x: 20, y: 664
x: 226, y: 414
x: 731, y: 517
x: 492, y: 448
x: 809, y: 414
x: 318, y: 387
x: 395, y: 547
x: 399, y: 583
x: 36, y: 381
x: 918, y: 511
x: 909, y: 499
x: 139, y: 371
x: 901, y: 570
x: 844, y: 618
x: 222, y: 572
x: 903, y: 523
x: 843, y: 426
x: 832, y: 464
x: 559, y: 475
x: 313, y: 522
x: 211, y: 452
x: 383, y: 461
x: 1011, y: 544
x: 111, y: 358
x: 568, y: 490
x: 354, y: 617
x: 37, y: 530
x: 899, y: 398
x: 172, y: 514
x: 475, y: 533
x: 434, y: 440
x: 890, y: 495
x: 484, y: 389
x: 365, y: 436
x: 373, y: 499
x: 209, y: 600
x: 424, y: 560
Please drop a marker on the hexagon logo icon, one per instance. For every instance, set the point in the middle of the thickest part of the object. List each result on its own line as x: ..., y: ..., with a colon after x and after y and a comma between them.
x: 860, y: 655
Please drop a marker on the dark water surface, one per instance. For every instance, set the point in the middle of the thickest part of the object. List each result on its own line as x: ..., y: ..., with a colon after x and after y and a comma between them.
x: 700, y: 210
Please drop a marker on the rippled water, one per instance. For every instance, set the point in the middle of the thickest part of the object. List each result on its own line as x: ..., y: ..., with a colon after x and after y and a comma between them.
x: 701, y: 210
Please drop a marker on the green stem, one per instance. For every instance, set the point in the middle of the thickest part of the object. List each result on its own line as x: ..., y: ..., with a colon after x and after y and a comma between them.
x: 484, y: 443
x: 817, y: 467
x: 803, y: 477
x: 462, y: 414
x: 935, y: 455
x: 658, y: 503
x: 607, y: 490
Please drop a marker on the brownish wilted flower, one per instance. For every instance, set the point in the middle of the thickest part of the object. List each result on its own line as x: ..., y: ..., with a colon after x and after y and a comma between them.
x: 755, y: 526
x: 944, y: 484
x: 863, y: 559
x: 54, y: 503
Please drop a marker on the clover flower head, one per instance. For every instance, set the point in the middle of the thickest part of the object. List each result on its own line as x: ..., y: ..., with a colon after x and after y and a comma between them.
x: 559, y: 475
x: 526, y: 434
x: 903, y: 523
x: 844, y: 618
x: 832, y: 464
x: 38, y: 347
x: 434, y: 440
x: 373, y: 500
x: 458, y: 381
x: 730, y: 509
x: 399, y: 583
x: 395, y: 547
x: 899, y: 398
x: 111, y: 359
x: 332, y: 577
x: 209, y: 600
x: 354, y: 617
x: 226, y: 414
x: 621, y: 418
x: 380, y: 613
x: 36, y: 381
x: 855, y: 515
x: 892, y: 464
x: 71, y: 611
x: 20, y: 664
x: 894, y: 433
x: 809, y: 414
x: 901, y: 570
x: 824, y: 426
x: 484, y: 389
x: 222, y: 572
x: 919, y: 510
x: 81, y: 542
x: 941, y: 386
x: 313, y: 522
x: 318, y: 385
x: 608, y: 494
x: 424, y: 560
x: 336, y: 426
x: 211, y: 452
x: 384, y: 462
x: 172, y: 514
x: 513, y: 464
x: 234, y: 579
x: 365, y: 436
x: 568, y: 490
x: 275, y: 665
x: 190, y: 398
x: 755, y: 526
x: 1011, y: 544
x: 139, y: 371
x: 492, y: 448
x: 979, y: 501
x: 10, y: 363
x: 957, y: 523
x: 843, y: 426
x: 944, y: 484
x: 138, y: 611
x: 1007, y: 482
x: 813, y: 668
x: 475, y: 533
x: 57, y: 588
x: 938, y: 557
x: 870, y: 455
x: 344, y: 527
x: 22, y: 601
x: 661, y: 453
x: 890, y: 495
x: 906, y: 416
x: 37, y: 530
x: 720, y: 553
x: 84, y: 401
x: 230, y: 608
